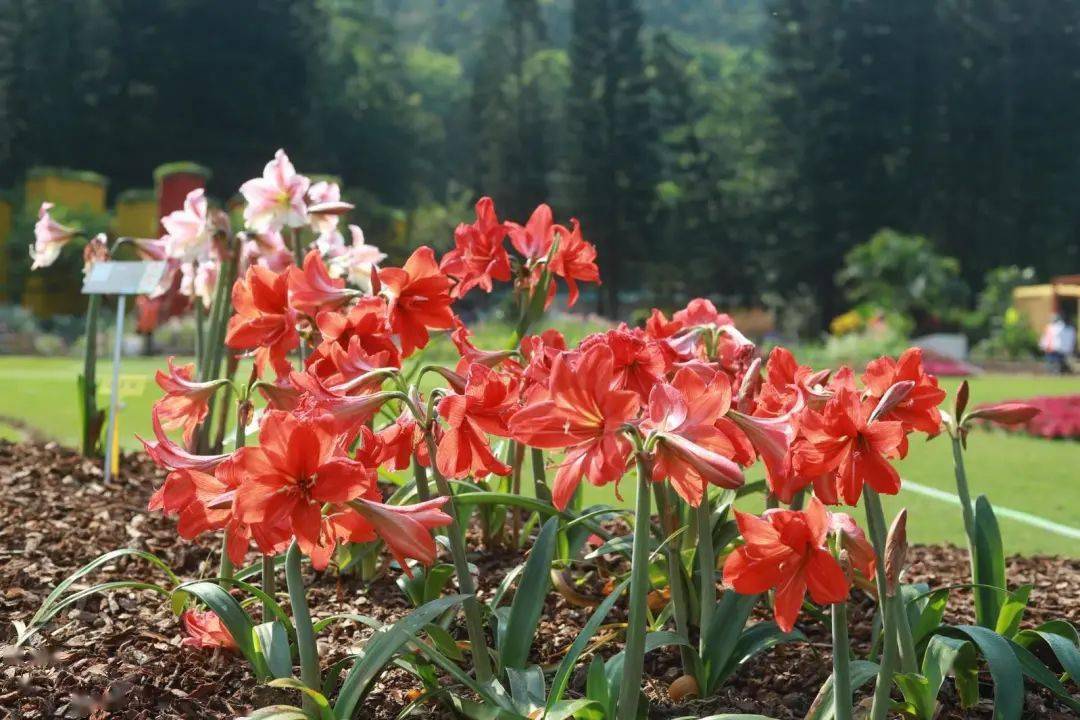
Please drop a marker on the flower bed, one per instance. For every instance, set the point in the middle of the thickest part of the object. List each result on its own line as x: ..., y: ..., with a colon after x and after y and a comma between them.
x: 351, y: 452
x: 1058, y: 417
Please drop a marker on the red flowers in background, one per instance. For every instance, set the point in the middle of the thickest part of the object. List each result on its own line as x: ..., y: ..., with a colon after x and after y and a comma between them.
x: 264, y: 321
x: 419, y: 299
x: 186, y: 402
x: 479, y: 256
x: 787, y: 551
x: 841, y: 440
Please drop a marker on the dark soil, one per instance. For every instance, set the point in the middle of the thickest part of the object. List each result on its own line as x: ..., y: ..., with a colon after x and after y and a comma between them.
x: 119, y: 656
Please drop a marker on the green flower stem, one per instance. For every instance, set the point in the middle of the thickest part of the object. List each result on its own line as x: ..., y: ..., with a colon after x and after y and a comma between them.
x: 517, y: 457
x: 875, y: 521
x: 305, y: 632
x: 200, y: 337
x: 420, y: 478
x: 706, y: 567
x: 89, y: 441
x: 965, y: 498
x: 679, y: 600
x: 225, y: 566
x: 909, y: 661
x: 269, y: 585
x: 841, y: 662
x: 634, y: 662
x: 474, y: 623
x: 540, y: 486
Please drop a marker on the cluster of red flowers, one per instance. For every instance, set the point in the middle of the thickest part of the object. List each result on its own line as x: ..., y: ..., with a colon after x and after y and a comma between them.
x: 686, y: 394
x: 312, y: 477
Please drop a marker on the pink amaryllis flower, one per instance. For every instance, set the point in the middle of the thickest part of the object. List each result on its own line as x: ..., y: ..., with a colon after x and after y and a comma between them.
x: 167, y: 454
x: 690, y: 450
x: 276, y: 200
x: 49, y: 238
x: 187, y: 230
x: 325, y: 206
x: 186, y: 402
x: 357, y: 261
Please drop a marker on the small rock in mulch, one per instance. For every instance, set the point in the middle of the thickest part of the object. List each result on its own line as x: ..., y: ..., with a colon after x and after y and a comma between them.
x: 119, y: 656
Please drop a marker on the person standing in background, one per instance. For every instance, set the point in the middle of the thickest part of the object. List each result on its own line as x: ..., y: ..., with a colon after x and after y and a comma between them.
x: 1058, y: 343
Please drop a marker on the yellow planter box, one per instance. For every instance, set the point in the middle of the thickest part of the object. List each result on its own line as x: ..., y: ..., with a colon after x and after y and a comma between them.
x: 75, y: 189
x: 135, y: 214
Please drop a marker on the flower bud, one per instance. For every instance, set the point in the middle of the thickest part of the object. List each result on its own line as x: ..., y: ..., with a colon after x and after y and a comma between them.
x: 896, y: 547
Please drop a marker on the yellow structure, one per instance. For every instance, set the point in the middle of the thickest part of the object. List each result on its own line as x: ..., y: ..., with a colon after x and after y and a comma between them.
x: 135, y: 214
x: 1036, y: 303
x: 73, y: 189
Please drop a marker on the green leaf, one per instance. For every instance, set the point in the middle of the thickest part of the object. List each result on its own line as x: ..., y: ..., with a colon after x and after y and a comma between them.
x: 930, y: 617
x: 371, y: 622
x: 989, y: 564
x: 920, y: 700
x: 823, y: 708
x: 943, y: 655
x: 273, y: 643
x: 566, y: 667
x: 444, y: 642
x: 1004, y: 669
x: 757, y: 639
x: 596, y: 685
x: 40, y: 619
x: 529, y: 599
x: 582, y: 709
x: 663, y: 638
x: 1012, y: 611
x: 321, y: 703
x: 236, y: 621
x: 89, y: 567
x: 1061, y: 637
x: 728, y: 620
x: 1038, y: 672
x: 275, y: 607
x: 504, y: 586
x: 527, y: 687
x: 380, y: 650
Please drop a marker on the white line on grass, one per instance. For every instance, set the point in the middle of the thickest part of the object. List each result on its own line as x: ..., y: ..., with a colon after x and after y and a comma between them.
x: 1017, y: 515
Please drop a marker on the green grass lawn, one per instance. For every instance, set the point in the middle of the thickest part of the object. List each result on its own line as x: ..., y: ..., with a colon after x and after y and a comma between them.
x: 1026, y: 474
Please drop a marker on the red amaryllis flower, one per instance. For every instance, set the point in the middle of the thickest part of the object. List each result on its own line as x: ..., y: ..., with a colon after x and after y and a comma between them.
x: 841, y: 441
x: 919, y: 409
x: 786, y: 550
x: 205, y: 630
x: 701, y: 312
x: 406, y: 529
x: 400, y: 440
x: 167, y: 454
x: 786, y: 384
x: 312, y: 289
x: 581, y: 412
x: 346, y: 414
x: 485, y: 406
x: 368, y: 320
x: 297, y: 467
x: 853, y: 541
x: 689, y: 448
x: 575, y: 260
x: 350, y: 365
x: 533, y: 240
x: 479, y: 256
x: 771, y: 439
x: 419, y: 298
x: 263, y: 322
x: 639, y: 361
x: 186, y: 402
x: 540, y: 352
x: 470, y: 354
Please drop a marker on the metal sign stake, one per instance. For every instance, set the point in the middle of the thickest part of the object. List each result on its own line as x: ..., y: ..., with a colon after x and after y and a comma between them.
x: 121, y: 279
x: 114, y: 392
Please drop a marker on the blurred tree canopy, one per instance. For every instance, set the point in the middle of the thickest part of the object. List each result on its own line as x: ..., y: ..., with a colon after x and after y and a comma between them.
x: 733, y: 148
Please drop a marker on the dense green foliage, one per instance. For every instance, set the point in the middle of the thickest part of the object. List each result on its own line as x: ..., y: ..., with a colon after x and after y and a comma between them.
x: 721, y: 147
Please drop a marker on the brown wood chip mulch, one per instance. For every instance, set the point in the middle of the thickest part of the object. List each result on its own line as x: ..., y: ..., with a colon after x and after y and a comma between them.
x: 119, y: 656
